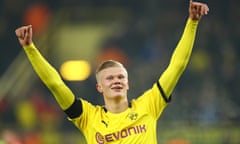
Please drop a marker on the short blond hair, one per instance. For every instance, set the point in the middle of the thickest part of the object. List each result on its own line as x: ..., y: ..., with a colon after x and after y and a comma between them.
x: 108, y: 64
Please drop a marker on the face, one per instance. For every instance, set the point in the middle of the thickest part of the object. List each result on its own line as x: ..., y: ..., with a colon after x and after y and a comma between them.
x: 113, y: 83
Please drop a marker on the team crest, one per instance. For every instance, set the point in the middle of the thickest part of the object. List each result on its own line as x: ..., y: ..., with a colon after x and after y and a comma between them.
x: 133, y: 116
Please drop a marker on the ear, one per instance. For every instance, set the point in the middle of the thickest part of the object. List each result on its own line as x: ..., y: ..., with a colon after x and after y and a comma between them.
x: 99, y: 88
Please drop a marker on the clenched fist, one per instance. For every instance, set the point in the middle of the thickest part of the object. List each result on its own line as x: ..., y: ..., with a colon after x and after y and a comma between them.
x: 197, y: 10
x: 24, y: 35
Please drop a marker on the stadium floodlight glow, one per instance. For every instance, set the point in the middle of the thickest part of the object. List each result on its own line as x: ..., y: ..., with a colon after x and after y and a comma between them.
x: 75, y: 70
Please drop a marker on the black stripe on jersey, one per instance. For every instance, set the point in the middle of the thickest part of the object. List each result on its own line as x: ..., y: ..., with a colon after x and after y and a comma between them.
x: 167, y: 100
x: 75, y: 110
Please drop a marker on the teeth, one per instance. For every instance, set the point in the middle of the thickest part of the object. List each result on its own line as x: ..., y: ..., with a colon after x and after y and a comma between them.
x: 117, y: 88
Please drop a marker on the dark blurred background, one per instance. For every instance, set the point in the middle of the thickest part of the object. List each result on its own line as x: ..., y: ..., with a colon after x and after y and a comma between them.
x: 142, y: 35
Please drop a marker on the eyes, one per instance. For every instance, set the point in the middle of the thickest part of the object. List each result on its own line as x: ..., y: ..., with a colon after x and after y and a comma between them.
x: 119, y: 77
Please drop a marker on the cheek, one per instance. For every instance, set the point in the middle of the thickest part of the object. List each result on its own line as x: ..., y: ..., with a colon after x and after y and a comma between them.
x: 127, y: 85
x: 106, y: 83
x: 125, y: 82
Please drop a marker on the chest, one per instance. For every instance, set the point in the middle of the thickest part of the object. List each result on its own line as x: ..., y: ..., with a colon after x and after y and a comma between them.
x: 122, y: 125
x: 131, y: 126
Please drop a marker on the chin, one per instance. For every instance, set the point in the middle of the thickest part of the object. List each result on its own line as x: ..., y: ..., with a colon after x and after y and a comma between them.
x: 117, y: 96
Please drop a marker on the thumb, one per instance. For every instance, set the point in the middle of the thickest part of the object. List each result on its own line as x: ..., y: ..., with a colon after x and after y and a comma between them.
x: 28, y: 37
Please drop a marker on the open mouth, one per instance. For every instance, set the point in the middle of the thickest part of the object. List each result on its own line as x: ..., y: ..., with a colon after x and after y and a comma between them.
x: 117, y: 88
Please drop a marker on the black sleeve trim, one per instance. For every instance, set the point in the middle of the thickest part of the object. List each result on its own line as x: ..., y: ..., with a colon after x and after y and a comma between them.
x: 167, y: 100
x: 75, y: 110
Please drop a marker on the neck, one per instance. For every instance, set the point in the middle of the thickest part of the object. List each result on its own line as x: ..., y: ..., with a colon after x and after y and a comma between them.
x: 116, y: 106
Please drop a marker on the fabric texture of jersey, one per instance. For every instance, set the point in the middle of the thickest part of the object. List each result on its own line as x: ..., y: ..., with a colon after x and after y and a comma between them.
x: 139, y: 122
x: 135, y: 125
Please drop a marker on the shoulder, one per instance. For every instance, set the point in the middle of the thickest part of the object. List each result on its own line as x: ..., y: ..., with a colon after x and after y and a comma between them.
x: 86, y: 103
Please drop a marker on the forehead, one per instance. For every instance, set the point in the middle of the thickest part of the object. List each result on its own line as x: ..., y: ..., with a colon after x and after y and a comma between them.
x: 113, y: 71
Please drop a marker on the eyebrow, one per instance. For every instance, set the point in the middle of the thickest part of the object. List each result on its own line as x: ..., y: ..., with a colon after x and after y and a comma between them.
x: 113, y: 75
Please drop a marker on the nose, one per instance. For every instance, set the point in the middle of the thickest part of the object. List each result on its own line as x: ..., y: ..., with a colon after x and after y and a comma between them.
x: 116, y: 81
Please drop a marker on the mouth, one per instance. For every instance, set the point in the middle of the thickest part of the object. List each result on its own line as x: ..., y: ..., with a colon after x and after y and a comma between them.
x: 117, y: 88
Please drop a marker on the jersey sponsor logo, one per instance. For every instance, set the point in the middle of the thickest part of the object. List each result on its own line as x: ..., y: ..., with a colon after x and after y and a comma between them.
x: 118, y: 135
x: 99, y: 138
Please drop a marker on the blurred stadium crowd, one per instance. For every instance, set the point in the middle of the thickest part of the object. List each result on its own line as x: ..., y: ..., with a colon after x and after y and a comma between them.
x: 141, y: 34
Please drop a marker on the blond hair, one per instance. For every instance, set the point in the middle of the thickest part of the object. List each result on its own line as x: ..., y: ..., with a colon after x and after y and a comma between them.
x: 108, y: 64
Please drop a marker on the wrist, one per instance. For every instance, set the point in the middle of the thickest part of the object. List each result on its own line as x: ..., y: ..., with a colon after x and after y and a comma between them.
x: 193, y: 20
x: 30, y: 45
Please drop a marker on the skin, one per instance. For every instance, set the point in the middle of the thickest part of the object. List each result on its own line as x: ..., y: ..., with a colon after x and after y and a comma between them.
x: 113, y: 82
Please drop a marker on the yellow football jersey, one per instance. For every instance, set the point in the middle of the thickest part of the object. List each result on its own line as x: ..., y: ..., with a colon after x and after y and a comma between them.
x: 135, y: 125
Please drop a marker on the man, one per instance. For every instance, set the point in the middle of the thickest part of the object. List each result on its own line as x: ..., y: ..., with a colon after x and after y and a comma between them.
x: 118, y: 121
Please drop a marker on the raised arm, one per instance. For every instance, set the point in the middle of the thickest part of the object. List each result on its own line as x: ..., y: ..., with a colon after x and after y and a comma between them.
x: 44, y: 70
x: 182, y: 53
